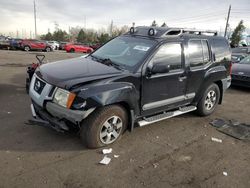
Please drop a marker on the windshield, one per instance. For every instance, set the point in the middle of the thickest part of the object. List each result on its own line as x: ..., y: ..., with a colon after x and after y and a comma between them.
x: 125, y: 51
x: 246, y: 60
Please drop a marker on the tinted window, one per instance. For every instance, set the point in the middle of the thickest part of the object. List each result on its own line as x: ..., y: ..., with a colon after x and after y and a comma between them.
x: 195, y: 53
x: 169, y: 54
x: 206, y: 57
x: 221, y: 49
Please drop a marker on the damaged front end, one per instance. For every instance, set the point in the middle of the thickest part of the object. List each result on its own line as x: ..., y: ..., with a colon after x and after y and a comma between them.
x: 49, y: 114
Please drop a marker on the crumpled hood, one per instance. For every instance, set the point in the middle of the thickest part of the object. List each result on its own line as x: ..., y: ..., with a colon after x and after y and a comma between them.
x: 67, y: 73
x: 241, y: 69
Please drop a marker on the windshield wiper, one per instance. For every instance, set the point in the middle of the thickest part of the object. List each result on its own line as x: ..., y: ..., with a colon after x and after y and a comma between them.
x: 108, y: 62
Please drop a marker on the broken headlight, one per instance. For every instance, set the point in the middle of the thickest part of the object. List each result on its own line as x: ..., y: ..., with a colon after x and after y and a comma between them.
x: 64, y: 98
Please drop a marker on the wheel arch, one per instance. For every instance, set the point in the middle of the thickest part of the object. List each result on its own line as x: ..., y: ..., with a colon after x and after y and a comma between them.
x: 220, y: 85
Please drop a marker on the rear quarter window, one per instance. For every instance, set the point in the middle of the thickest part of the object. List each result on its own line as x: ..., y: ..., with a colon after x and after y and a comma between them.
x: 221, y: 49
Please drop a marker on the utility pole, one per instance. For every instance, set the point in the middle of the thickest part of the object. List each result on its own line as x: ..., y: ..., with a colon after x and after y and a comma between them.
x: 228, y: 15
x: 111, y: 28
x: 35, y: 18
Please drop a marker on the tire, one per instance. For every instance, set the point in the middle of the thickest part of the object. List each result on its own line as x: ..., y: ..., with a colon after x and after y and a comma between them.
x: 99, y: 130
x: 48, y: 49
x: 89, y: 51
x: 26, y: 48
x: 209, y: 100
x: 72, y: 50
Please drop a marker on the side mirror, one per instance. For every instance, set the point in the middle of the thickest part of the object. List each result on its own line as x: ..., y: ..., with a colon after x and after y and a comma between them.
x: 160, y: 68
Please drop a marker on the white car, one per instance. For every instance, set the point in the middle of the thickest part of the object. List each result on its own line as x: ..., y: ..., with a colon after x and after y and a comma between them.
x: 54, y: 44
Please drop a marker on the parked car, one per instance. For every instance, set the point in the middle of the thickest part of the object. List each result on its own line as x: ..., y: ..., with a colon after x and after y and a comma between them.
x: 62, y: 45
x: 31, y: 44
x: 54, y: 45
x: 15, y: 43
x: 236, y: 58
x: 241, y: 73
x: 77, y: 47
x: 241, y: 50
x: 4, y: 42
x: 95, y: 46
x: 139, y: 78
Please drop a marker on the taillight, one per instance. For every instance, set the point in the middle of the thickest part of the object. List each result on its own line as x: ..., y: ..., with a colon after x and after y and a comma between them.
x: 230, y: 68
x: 34, y: 65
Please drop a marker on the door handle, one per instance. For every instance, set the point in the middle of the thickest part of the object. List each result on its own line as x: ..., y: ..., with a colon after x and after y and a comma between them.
x: 181, y: 78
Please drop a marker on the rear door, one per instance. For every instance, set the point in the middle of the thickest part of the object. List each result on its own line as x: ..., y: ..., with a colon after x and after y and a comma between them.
x: 199, y: 59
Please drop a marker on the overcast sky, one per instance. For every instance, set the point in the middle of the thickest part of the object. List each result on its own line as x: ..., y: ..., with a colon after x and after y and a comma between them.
x: 18, y: 15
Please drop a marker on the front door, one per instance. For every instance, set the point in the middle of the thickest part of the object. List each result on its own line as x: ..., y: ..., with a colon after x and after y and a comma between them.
x: 162, y: 91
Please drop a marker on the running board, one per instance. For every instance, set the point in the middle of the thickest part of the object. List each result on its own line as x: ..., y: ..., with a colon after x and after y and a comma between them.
x: 166, y: 115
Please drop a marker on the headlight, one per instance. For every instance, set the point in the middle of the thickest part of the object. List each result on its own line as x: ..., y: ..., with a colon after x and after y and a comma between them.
x: 64, y: 98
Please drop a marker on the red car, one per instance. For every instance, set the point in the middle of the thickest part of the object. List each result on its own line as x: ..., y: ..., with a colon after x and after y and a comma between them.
x: 77, y: 48
x: 30, y: 44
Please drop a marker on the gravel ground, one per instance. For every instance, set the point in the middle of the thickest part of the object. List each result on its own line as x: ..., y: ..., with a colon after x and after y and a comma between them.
x: 177, y: 152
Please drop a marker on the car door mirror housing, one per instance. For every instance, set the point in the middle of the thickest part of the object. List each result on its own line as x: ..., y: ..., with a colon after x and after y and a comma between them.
x: 160, y: 68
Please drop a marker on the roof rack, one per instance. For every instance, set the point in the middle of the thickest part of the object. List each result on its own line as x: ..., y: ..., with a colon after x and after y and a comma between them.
x: 178, y: 31
x: 167, y: 31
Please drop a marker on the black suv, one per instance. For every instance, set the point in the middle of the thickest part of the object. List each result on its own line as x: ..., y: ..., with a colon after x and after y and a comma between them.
x: 144, y: 76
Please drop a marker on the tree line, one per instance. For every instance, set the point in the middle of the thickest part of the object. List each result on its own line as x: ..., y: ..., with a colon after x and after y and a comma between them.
x: 78, y: 34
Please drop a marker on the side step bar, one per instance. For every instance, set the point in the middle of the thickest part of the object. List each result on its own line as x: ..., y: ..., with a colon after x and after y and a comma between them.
x: 166, y: 115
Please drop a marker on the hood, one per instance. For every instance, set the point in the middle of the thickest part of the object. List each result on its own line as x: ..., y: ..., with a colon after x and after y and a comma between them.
x: 241, y: 69
x: 70, y: 72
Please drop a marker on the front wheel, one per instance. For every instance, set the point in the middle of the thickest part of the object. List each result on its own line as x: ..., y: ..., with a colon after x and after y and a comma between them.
x: 209, y: 100
x: 104, y: 126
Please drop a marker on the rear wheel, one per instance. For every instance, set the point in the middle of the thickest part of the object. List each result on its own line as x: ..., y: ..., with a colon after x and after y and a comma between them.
x: 209, y: 100
x: 105, y: 126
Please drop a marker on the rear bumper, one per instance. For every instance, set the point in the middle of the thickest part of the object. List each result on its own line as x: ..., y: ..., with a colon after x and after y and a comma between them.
x: 226, y: 83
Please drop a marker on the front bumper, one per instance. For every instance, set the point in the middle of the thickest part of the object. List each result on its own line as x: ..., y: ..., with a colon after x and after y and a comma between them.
x: 42, y: 118
x: 57, y: 117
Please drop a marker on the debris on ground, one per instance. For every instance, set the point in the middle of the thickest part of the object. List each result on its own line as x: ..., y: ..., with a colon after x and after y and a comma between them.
x: 232, y: 128
x: 116, y: 156
x: 218, y: 123
x: 155, y: 165
x: 185, y: 158
x: 216, y: 140
x: 107, y: 151
x: 105, y: 161
x: 225, y: 173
